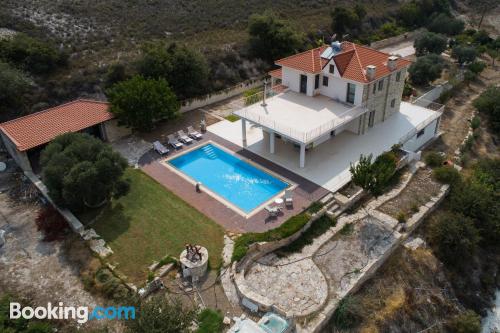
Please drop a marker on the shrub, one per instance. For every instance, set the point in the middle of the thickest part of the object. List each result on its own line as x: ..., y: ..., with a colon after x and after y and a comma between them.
x: 415, y: 208
x: 232, y: 118
x: 434, y: 159
x: 446, y: 24
x: 488, y: 103
x: 401, y: 217
x: 376, y: 176
x: 319, y: 227
x: 151, y: 276
x: 468, y: 144
x: 454, y: 236
x: 464, y: 53
x: 315, y: 207
x: 51, y: 223
x: 15, y: 85
x: 466, y: 322
x: 446, y: 175
x: 210, y: 321
x: 272, y: 38
x: 288, y: 228
x: 347, y: 315
x: 476, y: 67
x: 475, y: 122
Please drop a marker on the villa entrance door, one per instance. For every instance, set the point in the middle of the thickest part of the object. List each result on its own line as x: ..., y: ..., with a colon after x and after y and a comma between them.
x: 303, y: 84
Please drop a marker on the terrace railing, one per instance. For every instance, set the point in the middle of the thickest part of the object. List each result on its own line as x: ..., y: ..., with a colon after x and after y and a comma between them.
x: 302, y: 136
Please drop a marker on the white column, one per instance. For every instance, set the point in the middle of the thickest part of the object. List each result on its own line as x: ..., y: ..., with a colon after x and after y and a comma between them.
x: 271, y: 142
x: 244, y: 132
x: 302, y: 155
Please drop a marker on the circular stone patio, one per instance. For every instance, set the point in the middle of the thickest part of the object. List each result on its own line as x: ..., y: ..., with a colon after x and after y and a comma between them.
x: 298, y: 288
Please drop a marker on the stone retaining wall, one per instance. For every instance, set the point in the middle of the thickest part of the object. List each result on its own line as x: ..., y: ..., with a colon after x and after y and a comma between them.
x: 369, y: 271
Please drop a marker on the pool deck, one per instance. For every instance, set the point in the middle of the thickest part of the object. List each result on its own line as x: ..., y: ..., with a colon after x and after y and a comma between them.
x: 303, y: 195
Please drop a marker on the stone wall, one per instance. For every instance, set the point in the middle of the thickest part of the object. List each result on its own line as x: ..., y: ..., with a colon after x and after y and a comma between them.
x: 199, y: 102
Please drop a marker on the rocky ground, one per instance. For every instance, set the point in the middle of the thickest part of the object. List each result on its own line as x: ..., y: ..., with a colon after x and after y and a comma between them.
x: 38, y: 271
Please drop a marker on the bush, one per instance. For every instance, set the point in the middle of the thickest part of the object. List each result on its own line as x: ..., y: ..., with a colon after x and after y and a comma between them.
x: 232, y: 118
x: 446, y: 24
x: 434, y: 159
x: 15, y: 85
x: 468, y: 144
x: 319, y: 227
x: 31, y: 54
x: 446, y: 175
x: 475, y: 122
x: 347, y: 315
x: 315, y: 207
x: 288, y: 228
x: 51, y: 223
x: 476, y: 67
x: 210, y: 321
x: 401, y: 217
x: 488, y: 103
x: 454, y: 236
x: 426, y: 69
x: 272, y: 38
x: 81, y: 172
x: 376, y: 176
x: 466, y: 322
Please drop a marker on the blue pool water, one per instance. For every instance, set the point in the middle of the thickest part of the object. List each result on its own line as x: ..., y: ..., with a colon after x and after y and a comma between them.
x: 235, y: 180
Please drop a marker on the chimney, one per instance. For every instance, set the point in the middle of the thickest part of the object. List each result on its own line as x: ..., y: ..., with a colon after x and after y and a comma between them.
x: 370, y: 72
x: 391, y: 62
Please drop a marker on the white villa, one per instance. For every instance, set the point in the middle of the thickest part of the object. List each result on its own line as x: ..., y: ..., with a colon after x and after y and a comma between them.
x: 329, y: 105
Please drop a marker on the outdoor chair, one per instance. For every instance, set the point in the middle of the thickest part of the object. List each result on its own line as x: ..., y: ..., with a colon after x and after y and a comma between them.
x: 194, y: 133
x: 183, y: 137
x: 159, y: 148
x: 173, y: 141
x: 272, y: 211
x: 288, y: 198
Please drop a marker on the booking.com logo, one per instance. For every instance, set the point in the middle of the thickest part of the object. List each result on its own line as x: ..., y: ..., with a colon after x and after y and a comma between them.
x: 82, y: 314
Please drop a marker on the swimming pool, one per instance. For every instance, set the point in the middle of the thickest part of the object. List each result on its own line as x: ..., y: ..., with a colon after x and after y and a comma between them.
x: 229, y: 177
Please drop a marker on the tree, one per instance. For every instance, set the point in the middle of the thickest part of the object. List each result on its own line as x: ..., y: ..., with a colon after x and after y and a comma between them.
x: 140, y: 103
x: 409, y: 15
x: 375, y: 176
x: 82, y: 172
x: 185, y: 69
x: 426, y: 69
x: 466, y: 322
x: 464, y: 53
x: 116, y: 73
x: 445, y: 24
x: 14, y: 85
x: 343, y: 19
x: 272, y: 38
x: 430, y: 42
x: 160, y: 315
x: 482, y: 7
x: 31, y: 54
x: 454, y: 236
x: 488, y: 103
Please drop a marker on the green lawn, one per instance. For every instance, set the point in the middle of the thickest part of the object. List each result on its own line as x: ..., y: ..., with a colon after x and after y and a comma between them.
x: 151, y: 222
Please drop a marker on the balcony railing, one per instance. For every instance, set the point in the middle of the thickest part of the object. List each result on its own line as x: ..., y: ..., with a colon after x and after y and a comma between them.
x: 301, y: 136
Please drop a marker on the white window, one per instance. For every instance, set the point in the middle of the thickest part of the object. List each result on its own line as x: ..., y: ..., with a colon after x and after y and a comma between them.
x: 422, y: 132
x: 380, y: 84
x: 398, y: 76
x: 325, y: 81
x: 331, y: 69
x: 371, y: 118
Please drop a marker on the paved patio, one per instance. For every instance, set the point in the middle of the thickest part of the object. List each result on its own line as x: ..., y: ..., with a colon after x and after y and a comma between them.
x: 327, y: 165
x: 304, y: 194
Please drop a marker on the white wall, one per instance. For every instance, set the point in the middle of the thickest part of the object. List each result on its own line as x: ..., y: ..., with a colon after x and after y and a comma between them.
x: 415, y: 143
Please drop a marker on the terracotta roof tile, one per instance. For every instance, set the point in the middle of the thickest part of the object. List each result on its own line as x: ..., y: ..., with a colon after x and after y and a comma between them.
x: 276, y: 73
x: 351, y: 62
x: 41, y: 127
x: 309, y: 61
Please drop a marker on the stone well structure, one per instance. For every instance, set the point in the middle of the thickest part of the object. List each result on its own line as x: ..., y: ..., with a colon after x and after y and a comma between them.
x: 194, y: 261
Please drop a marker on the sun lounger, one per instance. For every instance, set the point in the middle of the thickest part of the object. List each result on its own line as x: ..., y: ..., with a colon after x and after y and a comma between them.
x: 159, y: 148
x: 288, y: 198
x: 183, y: 137
x: 173, y: 141
x: 194, y: 133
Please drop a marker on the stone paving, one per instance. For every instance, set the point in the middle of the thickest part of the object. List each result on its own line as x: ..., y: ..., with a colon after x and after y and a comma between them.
x: 295, y: 288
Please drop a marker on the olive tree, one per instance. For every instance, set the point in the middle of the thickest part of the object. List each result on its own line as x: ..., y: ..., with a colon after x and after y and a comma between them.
x: 82, y: 172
